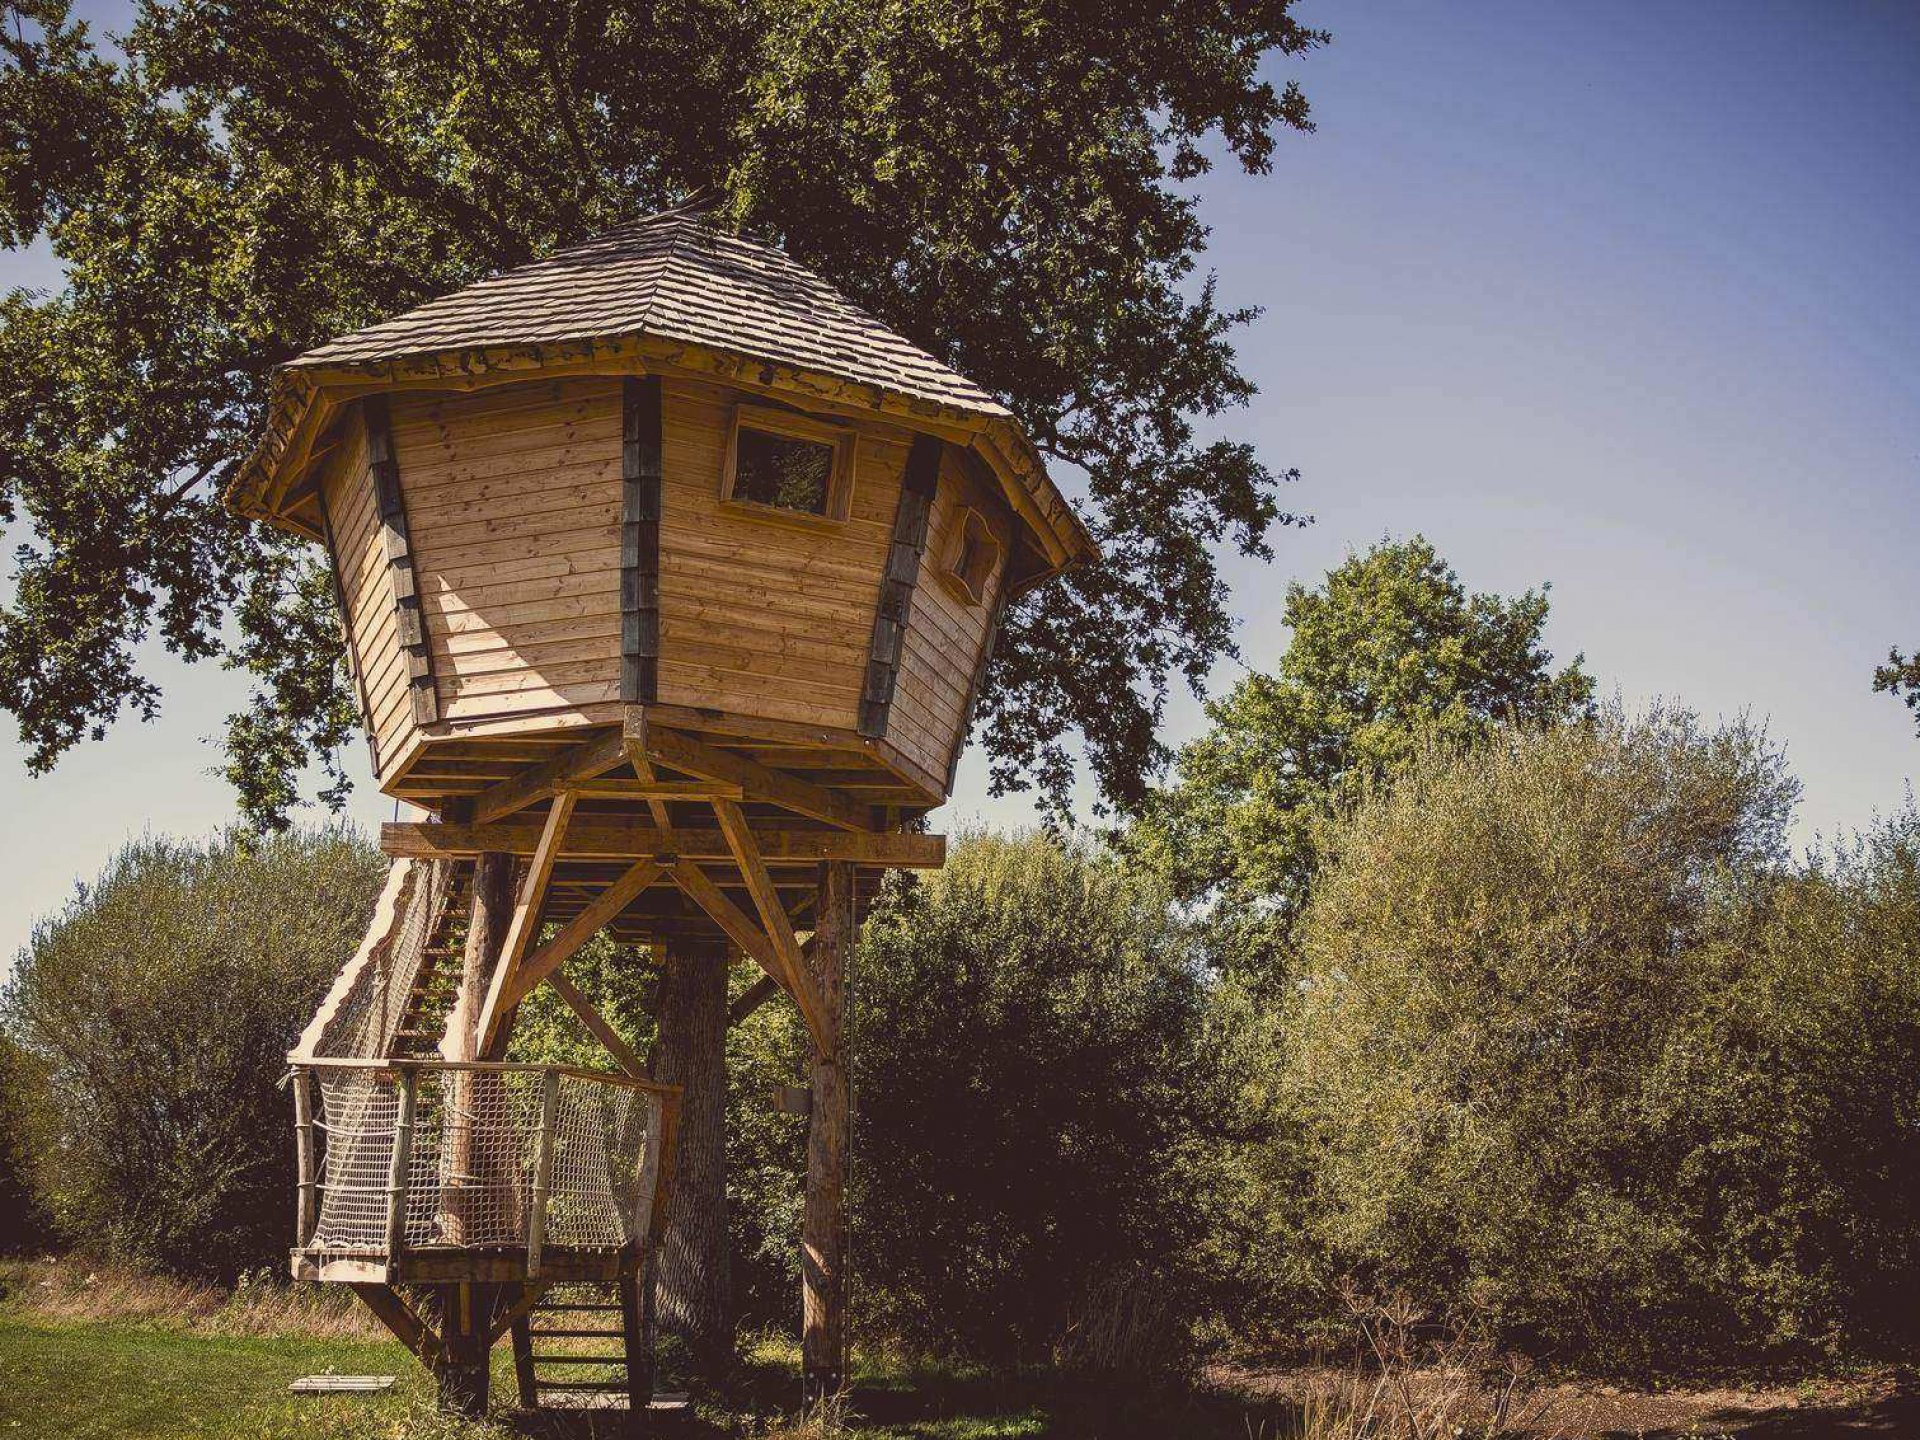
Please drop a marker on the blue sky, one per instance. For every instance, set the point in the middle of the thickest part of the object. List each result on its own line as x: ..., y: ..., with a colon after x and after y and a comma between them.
x: 1618, y: 297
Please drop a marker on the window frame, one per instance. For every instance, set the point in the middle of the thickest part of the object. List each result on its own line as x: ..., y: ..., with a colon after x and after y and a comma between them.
x: 791, y: 426
x: 968, y: 522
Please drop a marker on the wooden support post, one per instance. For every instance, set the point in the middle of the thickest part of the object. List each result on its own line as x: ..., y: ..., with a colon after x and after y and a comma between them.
x: 751, y: 939
x: 710, y: 762
x: 306, y: 1209
x: 392, y: 1311
x: 602, y: 909
x: 624, y: 1055
x: 398, y: 1169
x: 523, y: 1374
x: 823, y: 1231
x: 542, y: 1169
x: 493, y: 1023
x: 637, y: 1334
x: 755, y: 995
x: 465, y: 1330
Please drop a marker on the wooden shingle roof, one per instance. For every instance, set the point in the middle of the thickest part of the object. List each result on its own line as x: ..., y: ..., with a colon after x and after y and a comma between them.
x: 667, y: 294
x: 675, y: 277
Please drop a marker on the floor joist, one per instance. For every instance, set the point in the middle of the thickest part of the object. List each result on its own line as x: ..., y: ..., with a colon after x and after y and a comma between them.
x: 710, y: 762
x: 624, y: 837
x: 584, y: 761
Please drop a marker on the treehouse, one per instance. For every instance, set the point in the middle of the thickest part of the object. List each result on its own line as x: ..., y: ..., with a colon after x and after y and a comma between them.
x: 669, y: 579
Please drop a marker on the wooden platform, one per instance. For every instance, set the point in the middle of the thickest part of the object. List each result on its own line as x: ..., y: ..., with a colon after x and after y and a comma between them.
x: 448, y: 1264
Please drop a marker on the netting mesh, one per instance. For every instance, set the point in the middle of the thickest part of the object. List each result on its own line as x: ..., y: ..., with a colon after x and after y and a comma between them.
x: 474, y: 1154
x: 371, y: 1011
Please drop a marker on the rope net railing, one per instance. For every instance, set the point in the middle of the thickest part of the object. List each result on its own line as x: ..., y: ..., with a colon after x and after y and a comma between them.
x: 424, y: 1154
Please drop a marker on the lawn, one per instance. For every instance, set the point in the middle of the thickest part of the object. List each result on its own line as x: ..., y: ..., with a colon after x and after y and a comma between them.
x: 67, y: 1378
x: 111, y: 1380
x: 88, y: 1380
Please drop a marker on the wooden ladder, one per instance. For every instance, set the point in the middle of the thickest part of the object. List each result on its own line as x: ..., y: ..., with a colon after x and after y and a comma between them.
x: 437, y: 985
x: 607, y: 1313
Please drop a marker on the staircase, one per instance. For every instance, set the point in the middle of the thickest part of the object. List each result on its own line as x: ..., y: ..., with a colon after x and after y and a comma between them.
x: 437, y: 982
x: 583, y: 1346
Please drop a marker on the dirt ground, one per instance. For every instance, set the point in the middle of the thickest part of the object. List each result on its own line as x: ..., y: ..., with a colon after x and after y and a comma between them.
x: 1884, y: 1404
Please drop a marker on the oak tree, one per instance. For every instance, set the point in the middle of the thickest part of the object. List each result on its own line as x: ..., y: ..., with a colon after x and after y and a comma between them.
x: 231, y: 181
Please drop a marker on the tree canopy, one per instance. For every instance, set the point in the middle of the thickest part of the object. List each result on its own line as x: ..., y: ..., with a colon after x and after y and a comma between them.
x: 234, y: 181
x: 1901, y: 676
x: 1388, y: 652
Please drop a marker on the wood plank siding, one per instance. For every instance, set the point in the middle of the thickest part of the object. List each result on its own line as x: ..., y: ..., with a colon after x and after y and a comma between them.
x: 514, y: 497
x: 759, y: 614
x: 366, y: 589
x: 948, y: 632
x: 528, y: 511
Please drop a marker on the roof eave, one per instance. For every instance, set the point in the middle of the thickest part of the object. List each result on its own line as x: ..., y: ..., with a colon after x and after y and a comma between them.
x: 304, y: 391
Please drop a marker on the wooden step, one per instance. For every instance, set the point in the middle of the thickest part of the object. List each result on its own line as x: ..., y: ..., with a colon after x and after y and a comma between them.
x: 564, y: 1385
x: 578, y: 1334
x: 550, y: 1357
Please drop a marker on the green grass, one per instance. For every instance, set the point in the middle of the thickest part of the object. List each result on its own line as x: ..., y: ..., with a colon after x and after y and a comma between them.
x: 115, y: 1380
x: 110, y: 1381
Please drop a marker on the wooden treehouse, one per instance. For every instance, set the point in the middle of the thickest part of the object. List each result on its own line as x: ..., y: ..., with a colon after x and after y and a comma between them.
x: 669, y: 581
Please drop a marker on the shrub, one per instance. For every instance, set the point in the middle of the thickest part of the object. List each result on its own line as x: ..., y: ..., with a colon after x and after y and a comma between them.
x: 1036, y: 1102
x: 1575, y: 1041
x: 154, y: 1013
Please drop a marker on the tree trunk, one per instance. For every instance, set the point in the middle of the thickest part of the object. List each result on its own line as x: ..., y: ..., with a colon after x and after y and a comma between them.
x: 823, y: 1233
x: 467, y: 1172
x: 695, y: 1289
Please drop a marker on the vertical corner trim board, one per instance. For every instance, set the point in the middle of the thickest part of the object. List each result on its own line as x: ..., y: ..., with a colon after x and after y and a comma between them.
x: 895, y: 609
x: 409, y: 618
x: 347, y: 640
x: 640, y: 501
x: 974, y: 686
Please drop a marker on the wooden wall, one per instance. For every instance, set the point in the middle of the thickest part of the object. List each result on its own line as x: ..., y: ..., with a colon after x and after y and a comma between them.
x: 513, y: 504
x: 361, y: 566
x: 512, y: 499
x: 947, y: 630
x: 766, y: 616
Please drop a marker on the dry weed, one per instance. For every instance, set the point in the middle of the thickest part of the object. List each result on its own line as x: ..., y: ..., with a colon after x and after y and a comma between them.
x: 260, y: 1305
x: 1418, y: 1381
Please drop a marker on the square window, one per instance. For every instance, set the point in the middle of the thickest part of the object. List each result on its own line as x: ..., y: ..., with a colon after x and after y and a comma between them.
x: 790, y: 465
x: 782, y: 470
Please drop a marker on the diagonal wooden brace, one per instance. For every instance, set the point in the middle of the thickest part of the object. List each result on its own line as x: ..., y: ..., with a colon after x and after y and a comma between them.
x: 583, y: 927
x: 741, y: 929
x: 501, y: 996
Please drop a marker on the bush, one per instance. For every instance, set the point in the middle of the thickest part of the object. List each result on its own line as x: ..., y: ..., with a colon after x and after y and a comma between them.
x: 1036, y: 1110
x: 1575, y: 1042
x: 154, y: 1014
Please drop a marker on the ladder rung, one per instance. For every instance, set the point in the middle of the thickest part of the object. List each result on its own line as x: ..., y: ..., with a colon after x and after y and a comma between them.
x: 577, y: 1334
x: 551, y: 1358
x: 576, y: 1305
x: 565, y: 1385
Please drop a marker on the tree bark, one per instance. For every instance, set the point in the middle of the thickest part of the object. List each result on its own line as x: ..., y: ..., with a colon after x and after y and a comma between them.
x: 823, y: 1236
x: 695, y: 1283
x: 492, y: 913
x: 466, y: 1171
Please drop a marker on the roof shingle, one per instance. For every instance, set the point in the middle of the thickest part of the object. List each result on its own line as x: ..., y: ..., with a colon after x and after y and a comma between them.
x: 676, y: 277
